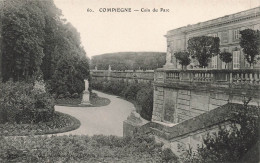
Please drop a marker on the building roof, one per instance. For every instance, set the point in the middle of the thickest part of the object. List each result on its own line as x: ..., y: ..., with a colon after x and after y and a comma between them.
x: 255, y: 12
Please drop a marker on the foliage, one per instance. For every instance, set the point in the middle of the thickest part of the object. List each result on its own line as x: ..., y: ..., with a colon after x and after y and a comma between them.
x: 129, y: 61
x: 250, y: 42
x: 99, y: 148
x: 231, y: 142
x: 36, y: 40
x: 183, y: 58
x: 144, y: 98
x: 23, y: 36
x: 203, y: 48
x: 60, y: 123
x: 225, y: 57
x: 141, y: 94
x: 68, y: 101
x: 24, y: 103
x: 131, y: 90
x: 70, y: 66
x: 95, y: 101
x: 168, y: 156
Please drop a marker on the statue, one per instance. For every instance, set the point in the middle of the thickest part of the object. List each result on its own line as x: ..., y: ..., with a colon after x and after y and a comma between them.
x: 85, y: 98
x: 168, y: 63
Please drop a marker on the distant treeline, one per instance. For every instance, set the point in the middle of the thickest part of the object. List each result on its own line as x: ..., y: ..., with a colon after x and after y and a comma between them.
x: 129, y: 61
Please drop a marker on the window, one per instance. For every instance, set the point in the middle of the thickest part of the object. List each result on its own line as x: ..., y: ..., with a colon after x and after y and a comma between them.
x: 224, y: 37
x: 257, y: 27
x: 236, y: 59
x: 236, y: 34
x: 215, y: 62
x: 224, y: 65
x: 178, y: 44
x: 213, y: 35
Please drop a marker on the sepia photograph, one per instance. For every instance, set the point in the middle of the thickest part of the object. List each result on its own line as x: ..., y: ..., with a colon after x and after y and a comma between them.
x: 127, y: 81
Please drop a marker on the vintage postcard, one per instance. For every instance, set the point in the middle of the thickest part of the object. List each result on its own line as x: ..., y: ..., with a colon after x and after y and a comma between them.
x: 130, y: 81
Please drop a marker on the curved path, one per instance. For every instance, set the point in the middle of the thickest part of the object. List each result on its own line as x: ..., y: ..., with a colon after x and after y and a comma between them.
x: 106, y: 120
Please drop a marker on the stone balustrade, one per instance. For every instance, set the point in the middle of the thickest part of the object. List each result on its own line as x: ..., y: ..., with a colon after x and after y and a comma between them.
x: 244, y: 76
x: 140, y: 76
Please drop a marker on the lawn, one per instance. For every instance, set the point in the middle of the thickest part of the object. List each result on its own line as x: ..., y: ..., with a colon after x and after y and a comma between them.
x: 95, y: 101
x: 97, y: 148
x: 61, y: 123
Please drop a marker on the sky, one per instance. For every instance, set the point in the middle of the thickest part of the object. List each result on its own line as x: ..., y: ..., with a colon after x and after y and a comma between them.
x: 108, y: 32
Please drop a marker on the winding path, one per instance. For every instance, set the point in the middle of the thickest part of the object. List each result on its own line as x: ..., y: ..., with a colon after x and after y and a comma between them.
x: 106, y: 120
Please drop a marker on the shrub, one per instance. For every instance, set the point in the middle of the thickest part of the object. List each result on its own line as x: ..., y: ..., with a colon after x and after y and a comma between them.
x: 225, y: 57
x: 93, y: 95
x: 231, y: 144
x: 169, y: 156
x: 131, y: 91
x: 75, y: 95
x: 25, y: 103
x: 183, y: 58
x: 98, y: 148
x: 61, y: 96
x: 144, y: 98
x: 142, y: 94
x: 67, y: 95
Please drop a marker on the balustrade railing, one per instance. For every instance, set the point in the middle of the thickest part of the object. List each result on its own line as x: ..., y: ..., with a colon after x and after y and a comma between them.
x: 245, y: 76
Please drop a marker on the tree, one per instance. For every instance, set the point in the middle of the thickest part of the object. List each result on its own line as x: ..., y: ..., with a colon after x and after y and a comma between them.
x: 225, y: 57
x: 129, y: 60
x: 37, y: 41
x: 231, y: 144
x: 203, y: 48
x: 250, y: 42
x: 183, y: 58
x: 23, y: 37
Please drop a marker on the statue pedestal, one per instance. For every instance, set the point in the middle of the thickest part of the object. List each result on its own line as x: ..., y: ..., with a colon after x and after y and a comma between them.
x: 169, y: 66
x: 86, y: 95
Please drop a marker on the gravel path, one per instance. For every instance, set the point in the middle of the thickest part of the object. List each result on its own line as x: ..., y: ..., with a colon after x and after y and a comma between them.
x: 106, y: 120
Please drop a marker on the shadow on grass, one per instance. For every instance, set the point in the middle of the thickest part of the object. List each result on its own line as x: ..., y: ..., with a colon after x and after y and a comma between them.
x: 61, y: 123
x: 95, y: 102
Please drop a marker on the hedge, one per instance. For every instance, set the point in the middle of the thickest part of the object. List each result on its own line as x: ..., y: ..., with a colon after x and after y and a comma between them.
x: 139, y: 93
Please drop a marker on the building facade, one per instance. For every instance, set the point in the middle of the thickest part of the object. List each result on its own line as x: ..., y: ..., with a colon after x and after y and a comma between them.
x: 226, y: 28
x: 190, y: 103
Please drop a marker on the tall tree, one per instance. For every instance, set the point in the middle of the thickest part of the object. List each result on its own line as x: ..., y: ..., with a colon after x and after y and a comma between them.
x: 37, y: 40
x: 23, y: 38
x: 250, y: 42
x: 203, y: 48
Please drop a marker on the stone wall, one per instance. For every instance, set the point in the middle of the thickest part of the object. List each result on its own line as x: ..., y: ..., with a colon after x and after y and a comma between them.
x: 181, y: 95
x: 128, y: 76
x: 190, y: 133
x: 158, y: 102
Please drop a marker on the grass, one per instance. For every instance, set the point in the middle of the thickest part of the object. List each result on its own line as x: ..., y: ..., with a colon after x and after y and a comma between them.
x: 61, y: 123
x: 95, y: 101
x: 99, y: 101
x: 98, y: 148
